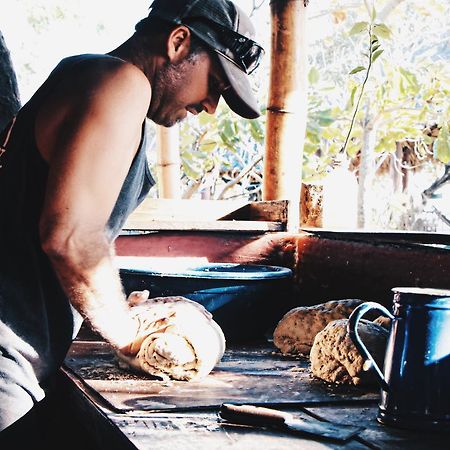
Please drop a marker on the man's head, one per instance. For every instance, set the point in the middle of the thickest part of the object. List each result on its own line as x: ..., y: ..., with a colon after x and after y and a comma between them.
x: 210, y: 52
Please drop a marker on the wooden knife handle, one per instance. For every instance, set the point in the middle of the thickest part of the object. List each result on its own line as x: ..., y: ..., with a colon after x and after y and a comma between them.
x: 253, y: 415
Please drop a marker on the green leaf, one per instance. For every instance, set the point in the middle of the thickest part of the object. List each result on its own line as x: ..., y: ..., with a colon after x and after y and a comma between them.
x: 441, y: 146
x: 187, y: 140
x: 358, y: 27
x: 413, y: 85
x: 401, y: 86
x: 373, y: 14
x: 228, y: 131
x: 381, y: 30
x: 330, y: 133
x: 256, y: 130
x: 376, y: 47
x: 324, y: 118
x: 313, y: 136
x: 190, y: 171
x: 208, y: 146
x: 376, y: 54
x: 313, y: 75
x: 310, y: 148
x: 357, y: 69
x: 352, y: 96
x: 353, y: 147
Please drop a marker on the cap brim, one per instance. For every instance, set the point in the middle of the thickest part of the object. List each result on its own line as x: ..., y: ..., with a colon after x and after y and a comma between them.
x: 239, y: 97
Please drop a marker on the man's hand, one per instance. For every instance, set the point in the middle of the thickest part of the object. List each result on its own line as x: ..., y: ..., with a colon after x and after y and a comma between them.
x: 135, y: 299
x: 138, y: 297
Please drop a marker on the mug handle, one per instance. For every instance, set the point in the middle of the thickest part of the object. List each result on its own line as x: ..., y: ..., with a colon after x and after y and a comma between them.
x: 352, y: 328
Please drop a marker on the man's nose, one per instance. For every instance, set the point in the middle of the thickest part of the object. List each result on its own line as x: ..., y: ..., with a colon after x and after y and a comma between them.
x: 210, y: 103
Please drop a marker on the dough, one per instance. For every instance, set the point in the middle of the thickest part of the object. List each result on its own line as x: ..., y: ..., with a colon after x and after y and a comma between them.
x: 383, y: 321
x: 335, y: 359
x: 296, y: 331
x: 178, y: 339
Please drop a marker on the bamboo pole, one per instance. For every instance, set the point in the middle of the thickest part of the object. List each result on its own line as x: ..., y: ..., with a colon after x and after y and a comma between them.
x: 287, y: 107
x: 168, y: 162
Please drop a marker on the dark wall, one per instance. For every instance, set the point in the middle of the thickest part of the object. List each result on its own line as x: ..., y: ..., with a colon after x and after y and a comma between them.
x: 333, y: 268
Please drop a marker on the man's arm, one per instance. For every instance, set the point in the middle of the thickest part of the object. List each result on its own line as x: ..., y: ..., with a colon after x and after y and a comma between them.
x: 89, y: 131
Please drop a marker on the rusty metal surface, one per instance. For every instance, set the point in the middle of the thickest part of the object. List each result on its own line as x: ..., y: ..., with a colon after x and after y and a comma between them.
x: 381, y: 436
x: 203, y: 431
x: 148, y: 413
x: 256, y: 374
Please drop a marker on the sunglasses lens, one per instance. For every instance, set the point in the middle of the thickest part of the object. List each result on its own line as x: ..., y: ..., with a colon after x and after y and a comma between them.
x: 252, y: 58
x: 240, y: 50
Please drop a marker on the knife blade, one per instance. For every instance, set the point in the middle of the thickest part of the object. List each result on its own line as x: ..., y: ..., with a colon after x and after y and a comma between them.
x: 261, y: 416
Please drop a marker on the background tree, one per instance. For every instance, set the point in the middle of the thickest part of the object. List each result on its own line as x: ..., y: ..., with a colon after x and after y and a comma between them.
x: 371, y: 78
x: 374, y: 115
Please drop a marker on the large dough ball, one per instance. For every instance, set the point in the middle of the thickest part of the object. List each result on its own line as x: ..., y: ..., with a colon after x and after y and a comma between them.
x: 334, y: 357
x: 178, y: 339
x: 297, y: 329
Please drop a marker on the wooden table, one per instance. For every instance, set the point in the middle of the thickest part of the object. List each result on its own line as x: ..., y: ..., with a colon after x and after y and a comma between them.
x: 121, y: 410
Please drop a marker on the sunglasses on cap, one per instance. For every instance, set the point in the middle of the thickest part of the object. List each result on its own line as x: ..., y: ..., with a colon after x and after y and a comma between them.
x: 240, y: 50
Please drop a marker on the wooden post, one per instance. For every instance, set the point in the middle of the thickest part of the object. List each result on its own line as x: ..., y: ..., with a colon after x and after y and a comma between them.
x: 287, y: 108
x: 168, y: 164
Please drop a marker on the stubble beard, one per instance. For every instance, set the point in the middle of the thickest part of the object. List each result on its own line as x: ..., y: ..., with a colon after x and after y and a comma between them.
x: 166, y: 83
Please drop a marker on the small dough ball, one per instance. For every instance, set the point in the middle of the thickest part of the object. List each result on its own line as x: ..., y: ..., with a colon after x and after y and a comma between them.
x: 296, y: 331
x: 335, y: 359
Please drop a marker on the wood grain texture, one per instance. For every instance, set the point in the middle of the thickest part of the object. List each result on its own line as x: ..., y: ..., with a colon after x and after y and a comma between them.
x: 256, y: 374
x: 210, y: 215
x: 202, y: 429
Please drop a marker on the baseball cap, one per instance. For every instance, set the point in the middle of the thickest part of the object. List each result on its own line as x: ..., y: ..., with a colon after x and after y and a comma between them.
x: 228, y: 31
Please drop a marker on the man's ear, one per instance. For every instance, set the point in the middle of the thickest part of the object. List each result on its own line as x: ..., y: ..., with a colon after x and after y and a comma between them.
x: 178, y: 44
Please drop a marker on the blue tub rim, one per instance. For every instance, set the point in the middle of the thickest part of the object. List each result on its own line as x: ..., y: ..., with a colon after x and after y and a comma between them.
x: 207, y: 271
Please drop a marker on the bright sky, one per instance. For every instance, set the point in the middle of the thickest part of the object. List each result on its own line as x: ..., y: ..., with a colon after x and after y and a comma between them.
x: 35, y: 54
x: 39, y: 53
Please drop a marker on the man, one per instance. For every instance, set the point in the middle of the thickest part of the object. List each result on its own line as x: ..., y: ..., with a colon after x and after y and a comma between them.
x: 73, y: 169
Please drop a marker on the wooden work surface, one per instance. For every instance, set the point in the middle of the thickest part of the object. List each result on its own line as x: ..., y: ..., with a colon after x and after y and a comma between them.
x: 126, y: 410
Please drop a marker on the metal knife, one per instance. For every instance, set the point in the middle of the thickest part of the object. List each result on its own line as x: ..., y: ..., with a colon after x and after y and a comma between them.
x: 261, y: 416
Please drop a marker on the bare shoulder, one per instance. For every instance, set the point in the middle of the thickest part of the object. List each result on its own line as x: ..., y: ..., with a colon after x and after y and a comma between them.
x: 99, y: 82
x: 95, y: 91
x: 110, y: 78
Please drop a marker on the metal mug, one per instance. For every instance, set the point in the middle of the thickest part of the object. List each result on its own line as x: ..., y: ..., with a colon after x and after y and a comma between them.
x: 415, y: 385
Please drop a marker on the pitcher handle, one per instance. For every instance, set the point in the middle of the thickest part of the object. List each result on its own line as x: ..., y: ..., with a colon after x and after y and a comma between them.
x: 352, y: 328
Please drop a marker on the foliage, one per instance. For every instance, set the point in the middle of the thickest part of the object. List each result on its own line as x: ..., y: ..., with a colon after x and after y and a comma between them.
x: 374, y: 51
x: 404, y: 97
x: 407, y: 92
x: 223, y: 145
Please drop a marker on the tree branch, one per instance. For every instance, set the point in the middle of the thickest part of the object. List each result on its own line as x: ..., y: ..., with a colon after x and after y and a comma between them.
x: 236, y: 180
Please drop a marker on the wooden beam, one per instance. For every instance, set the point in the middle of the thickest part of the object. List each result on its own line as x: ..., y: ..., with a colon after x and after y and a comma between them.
x: 220, y: 215
x: 186, y: 209
x: 287, y: 108
x: 275, y: 211
x: 218, y: 225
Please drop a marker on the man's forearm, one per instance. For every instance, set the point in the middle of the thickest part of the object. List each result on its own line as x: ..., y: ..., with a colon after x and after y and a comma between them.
x: 93, y: 287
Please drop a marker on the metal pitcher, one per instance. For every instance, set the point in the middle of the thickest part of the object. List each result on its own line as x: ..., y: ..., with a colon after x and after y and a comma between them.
x: 415, y: 382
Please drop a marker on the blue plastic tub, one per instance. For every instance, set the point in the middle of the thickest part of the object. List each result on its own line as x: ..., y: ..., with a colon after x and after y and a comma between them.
x: 246, y: 300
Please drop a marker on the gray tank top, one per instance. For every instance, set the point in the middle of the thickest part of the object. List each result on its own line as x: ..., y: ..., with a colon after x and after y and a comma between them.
x: 36, y: 320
